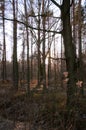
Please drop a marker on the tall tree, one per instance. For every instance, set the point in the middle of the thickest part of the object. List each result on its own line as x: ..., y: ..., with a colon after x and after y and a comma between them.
x: 31, y: 22
x: 49, y: 60
x: 80, y: 43
x: 4, y: 73
x: 15, y: 62
x: 23, y: 57
x: 39, y: 58
x: 55, y: 76
x: 43, y: 22
x: 27, y: 42
x: 70, y: 52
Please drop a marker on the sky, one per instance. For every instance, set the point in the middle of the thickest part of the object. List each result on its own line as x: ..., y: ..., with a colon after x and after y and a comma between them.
x: 9, y: 41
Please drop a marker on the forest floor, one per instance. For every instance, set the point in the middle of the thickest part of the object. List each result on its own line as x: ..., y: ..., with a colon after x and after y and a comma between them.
x: 39, y: 111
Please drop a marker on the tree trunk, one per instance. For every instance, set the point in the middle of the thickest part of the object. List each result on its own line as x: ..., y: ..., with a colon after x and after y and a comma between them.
x: 39, y: 58
x: 15, y: 62
x: 31, y: 75
x: 23, y: 58
x: 49, y: 61
x: 70, y: 53
x: 80, y: 46
x: 27, y: 37
x: 44, y: 67
x: 4, y: 73
x: 55, y: 76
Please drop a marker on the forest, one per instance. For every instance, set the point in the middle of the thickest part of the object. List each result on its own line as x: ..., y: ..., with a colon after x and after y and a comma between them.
x: 42, y: 64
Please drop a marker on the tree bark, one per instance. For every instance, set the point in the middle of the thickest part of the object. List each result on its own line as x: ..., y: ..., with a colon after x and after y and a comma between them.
x: 44, y: 67
x: 15, y: 62
x: 70, y: 53
x: 4, y: 72
x: 27, y: 37
x: 80, y: 46
x: 39, y: 58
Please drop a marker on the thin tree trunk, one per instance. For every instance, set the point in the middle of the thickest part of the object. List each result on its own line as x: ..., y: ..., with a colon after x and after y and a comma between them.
x: 23, y: 59
x: 4, y: 72
x: 44, y: 67
x: 39, y: 58
x: 74, y: 39
x: 31, y: 52
x: 49, y: 61
x: 27, y: 36
x: 15, y: 62
x: 31, y: 72
x: 80, y: 45
x: 55, y: 76
x: 61, y: 61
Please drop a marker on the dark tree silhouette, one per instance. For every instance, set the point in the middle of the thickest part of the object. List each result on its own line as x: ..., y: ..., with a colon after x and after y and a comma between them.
x: 70, y: 52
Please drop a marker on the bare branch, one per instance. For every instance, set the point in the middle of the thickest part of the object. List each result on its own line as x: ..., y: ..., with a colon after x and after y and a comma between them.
x: 71, y: 3
x: 56, y: 4
x: 33, y: 27
x: 57, y: 58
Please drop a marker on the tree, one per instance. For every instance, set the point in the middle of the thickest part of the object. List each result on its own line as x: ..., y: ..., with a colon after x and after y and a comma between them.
x: 49, y: 60
x: 4, y: 73
x: 27, y: 42
x: 43, y: 22
x: 39, y: 42
x: 80, y: 43
x: 70, y: 52
x: 15, y: 62
x: 23, y: 57
x: 77, y: 36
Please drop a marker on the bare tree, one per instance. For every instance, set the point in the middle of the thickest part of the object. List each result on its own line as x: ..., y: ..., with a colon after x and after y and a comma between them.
x: 39, y: 42
x: 15, y: 62
x: 4, y: 72
x: 80, y: 43
x: 27, y: 42
x: 70, y: 52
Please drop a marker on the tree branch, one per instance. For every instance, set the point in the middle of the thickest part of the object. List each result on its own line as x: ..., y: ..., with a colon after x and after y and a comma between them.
x: 33, y: 27
x: 71, y: 3
x: 56, y: 4
x: 57, y: 58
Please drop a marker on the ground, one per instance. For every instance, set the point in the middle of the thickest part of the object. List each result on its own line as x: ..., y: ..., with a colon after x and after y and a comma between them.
x: 40, y: 110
